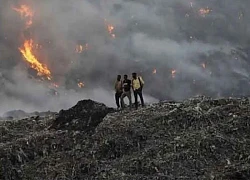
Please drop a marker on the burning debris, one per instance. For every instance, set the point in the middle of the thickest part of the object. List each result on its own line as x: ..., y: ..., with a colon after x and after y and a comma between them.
x: 28, y: 46
x: 81, y: 84
x: 199, y: 138
x: 110, y: 28
x: 27, y: 52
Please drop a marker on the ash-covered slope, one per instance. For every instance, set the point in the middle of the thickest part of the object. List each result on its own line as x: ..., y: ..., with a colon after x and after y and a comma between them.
x: 199, y: 138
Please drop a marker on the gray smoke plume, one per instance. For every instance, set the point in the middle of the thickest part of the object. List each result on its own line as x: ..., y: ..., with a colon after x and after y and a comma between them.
x: 207, y: 53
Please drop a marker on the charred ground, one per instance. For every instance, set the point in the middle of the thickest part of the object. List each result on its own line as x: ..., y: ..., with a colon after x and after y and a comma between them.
x: 199, y: 138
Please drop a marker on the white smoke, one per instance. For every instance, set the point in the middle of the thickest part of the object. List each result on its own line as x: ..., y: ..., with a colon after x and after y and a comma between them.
x: 150, y: 34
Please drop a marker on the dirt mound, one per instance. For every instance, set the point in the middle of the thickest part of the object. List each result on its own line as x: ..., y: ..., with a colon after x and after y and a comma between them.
x: 85, y: 115
x: 200, y: 138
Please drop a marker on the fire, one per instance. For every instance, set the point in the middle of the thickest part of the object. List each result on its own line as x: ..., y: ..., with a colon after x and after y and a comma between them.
x: 29, y: 56
x: 110, y: 30
x: 80, y: 48
x: 204, y: 11
x: 154, y: 71
x: 173, y: 72
x: 25, y: 12
x: 81, y: 84
x: 28, y: 45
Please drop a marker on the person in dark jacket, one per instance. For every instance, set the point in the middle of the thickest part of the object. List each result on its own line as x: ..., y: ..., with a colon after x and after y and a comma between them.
x: 118, y: 90
x: 126, y: 91
x: 137, y: 86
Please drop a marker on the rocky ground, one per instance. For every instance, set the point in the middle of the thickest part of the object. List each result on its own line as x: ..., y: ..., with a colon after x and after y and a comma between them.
x: 199, y: 138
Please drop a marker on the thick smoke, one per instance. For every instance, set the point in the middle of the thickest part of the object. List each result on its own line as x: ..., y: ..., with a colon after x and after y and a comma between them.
x: 209, y: 52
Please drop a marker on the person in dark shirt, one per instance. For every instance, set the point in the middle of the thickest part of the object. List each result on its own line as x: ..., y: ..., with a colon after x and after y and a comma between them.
x: 126, y: 91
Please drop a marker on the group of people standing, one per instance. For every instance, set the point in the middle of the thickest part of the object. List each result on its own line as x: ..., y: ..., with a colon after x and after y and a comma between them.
x: 123, y: 89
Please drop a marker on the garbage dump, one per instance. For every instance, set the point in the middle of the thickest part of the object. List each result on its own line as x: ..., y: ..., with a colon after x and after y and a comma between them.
x: 200, y: 138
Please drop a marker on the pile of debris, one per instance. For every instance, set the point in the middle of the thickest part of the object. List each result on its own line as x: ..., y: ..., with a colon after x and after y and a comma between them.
x: 20, y: 114
x: 85, y: 115
x: 199, y: 138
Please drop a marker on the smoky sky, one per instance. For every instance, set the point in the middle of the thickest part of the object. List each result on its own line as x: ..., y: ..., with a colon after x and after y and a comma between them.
x: 209, y: 52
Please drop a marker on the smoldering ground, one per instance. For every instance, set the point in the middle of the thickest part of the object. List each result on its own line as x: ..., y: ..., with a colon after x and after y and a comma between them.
x: 178, y: 49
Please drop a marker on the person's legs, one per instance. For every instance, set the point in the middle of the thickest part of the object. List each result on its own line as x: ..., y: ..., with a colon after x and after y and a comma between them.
x: 129, y: 99
x: 141, y: 97
x: 136, y: 99
x: 122, y: 99
x: 117, y: 99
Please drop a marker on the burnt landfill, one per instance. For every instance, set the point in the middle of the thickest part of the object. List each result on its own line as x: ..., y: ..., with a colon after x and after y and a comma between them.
x: 199, y: 138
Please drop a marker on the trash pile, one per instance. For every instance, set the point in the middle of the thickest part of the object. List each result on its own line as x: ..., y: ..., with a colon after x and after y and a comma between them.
x: 20, y: 114
x: 200, y: 138
x: 85, y: 115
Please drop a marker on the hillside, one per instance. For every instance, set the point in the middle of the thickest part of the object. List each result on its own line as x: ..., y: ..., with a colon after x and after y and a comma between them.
x: 199, y: 138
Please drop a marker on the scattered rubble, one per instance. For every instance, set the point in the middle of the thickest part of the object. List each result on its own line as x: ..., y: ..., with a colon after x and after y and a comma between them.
x: 199, y: 138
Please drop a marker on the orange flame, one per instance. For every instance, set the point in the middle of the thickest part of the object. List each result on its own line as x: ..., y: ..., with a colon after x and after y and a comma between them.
x: 81, y: 84
x: 110, y: 30
x: 27, y: 13
x: 29, y: 56
x: 27, y: 49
